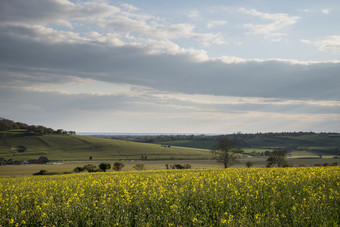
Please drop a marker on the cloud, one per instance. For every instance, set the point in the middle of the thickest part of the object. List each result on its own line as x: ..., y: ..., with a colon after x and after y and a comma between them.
x: 159, y: 111
x: 43, y: 12
x: 163, y: 66
x: 325, y: 11
x: 330, y: 44
x: 215, y: 23
x: 67, y: 62
x: 272, y: 30
x: 124, y: 21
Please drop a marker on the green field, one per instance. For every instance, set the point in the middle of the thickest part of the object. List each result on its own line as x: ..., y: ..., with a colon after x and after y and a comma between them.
x: 80, y: 148
x: 212, y: 197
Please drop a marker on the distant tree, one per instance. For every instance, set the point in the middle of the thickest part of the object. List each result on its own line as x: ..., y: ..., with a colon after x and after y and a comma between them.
x: 78, y: 169
x: 277, y: 157
x: 104, y: 166
x: 187, y: 166
x: 90, y: 168
x: 43, y: 159
x: 139, y: 166
x: 178, y: 166
x: 249, y: 164
x: 118, y: 166
x: 226, y: 152
x: 90, y: 158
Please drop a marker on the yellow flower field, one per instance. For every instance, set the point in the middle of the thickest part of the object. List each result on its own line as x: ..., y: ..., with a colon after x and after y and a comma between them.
x: 211, y: 197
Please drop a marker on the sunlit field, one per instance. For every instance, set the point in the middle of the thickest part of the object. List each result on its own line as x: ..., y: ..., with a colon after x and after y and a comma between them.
x: 212, y: 197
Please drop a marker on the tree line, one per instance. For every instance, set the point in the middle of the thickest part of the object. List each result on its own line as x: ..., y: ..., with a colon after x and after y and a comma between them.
x: 6, y: 125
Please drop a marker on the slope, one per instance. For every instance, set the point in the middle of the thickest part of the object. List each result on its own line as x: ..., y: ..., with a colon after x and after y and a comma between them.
x: 80, y: 148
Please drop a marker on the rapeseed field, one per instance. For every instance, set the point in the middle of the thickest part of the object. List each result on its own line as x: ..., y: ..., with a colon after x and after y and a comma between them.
x: 210, y: 197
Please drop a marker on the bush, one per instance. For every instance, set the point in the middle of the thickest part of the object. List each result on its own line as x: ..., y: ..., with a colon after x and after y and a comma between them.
x: 187, y: 166
x: 41, y: 172
x: 249, y: 164
x: 104, y: 166
x: 78, y: 169
x: 90, y: 168
x: 178, y: 166
x: 118, y: 166
x: 139, y: 166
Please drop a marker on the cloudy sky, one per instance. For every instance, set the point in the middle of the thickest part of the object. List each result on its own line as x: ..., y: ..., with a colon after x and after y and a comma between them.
x: 171, y: 66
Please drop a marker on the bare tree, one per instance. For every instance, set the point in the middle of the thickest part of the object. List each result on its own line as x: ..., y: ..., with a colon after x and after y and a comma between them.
x: 226, y: 152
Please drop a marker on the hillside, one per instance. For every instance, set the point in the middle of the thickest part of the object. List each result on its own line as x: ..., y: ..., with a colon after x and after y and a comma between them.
x: 80, y: 148
x: 297, y: 143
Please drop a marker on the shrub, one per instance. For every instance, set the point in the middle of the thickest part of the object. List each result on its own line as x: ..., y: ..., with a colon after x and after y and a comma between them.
x: 139, y: 166
x: 78, y: 169
x: 187, y: 166
x: 118, y: 166
x: 249, y: 164
x: 90, y: 168
x: 104, y: 166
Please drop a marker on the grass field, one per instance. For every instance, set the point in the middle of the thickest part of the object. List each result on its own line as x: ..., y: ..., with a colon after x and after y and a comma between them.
x: 211, y: 197
x: 258, y: 162
x: 80, y: 148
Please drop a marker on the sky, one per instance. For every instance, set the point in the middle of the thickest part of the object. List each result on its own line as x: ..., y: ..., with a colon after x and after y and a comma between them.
x: 171, y: 66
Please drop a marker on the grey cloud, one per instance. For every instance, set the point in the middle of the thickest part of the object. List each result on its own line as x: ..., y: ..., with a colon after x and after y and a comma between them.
x: 167, y: 72
x: 50, y: 11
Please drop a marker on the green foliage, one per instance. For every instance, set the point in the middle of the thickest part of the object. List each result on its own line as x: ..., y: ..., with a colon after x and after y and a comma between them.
x: 139, y: 166
x: 118, y: 166
x: 249, y: 164
x: 104, y: 166
x: 90, y: 168
x: 8, y: 125
x: 78, y: 169
x: 277, y: 157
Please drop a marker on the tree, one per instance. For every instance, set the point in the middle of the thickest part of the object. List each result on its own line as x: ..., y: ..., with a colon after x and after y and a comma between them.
x: 226, y: 152
x: 90, y: 168
x: 139, y: 166
x: 277, y: 157
x: 117, y: 166
x: 78, y: 169
x: 249, y: 164
x: 104, y: 166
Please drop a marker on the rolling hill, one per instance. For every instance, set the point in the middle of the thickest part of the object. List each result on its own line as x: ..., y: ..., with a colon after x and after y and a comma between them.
x: 80, y: 148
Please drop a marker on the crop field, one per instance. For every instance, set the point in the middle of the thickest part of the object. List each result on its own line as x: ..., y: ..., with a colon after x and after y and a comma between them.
x: 308, y: 196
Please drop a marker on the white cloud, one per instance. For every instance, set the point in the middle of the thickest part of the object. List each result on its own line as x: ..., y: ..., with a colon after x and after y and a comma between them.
x: 194, y: 14
x: 215, y: 23
x: 325, y: 11
x: 272, y: 30
x: 305, y: 41
x: 123, y: 21
x: 129, y: 7
x: 328, y: 44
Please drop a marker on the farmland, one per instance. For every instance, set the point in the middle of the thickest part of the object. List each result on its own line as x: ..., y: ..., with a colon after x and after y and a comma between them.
x: 257, y: 196
x: 80, y: 148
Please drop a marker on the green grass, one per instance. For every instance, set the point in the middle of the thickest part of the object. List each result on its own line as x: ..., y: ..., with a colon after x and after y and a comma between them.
x: 203, y: 144
x: 80, y: 148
